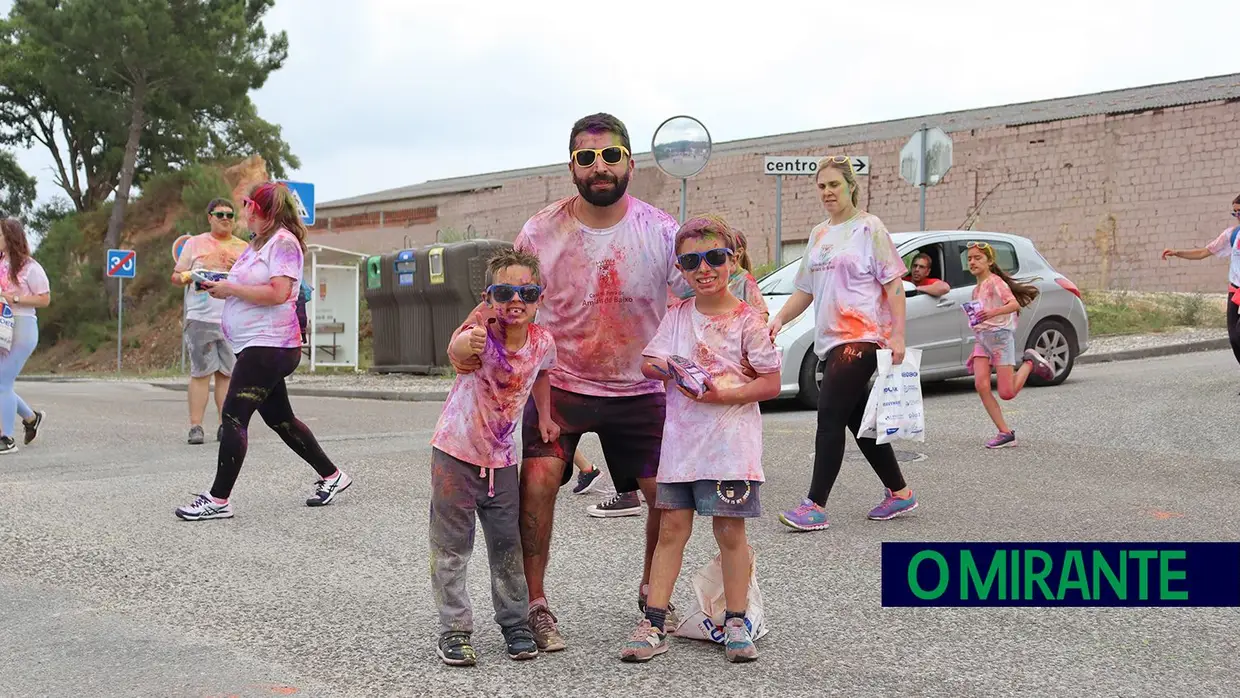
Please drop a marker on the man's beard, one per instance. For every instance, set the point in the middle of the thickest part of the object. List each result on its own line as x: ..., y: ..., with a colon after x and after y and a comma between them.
x: 602, y: 198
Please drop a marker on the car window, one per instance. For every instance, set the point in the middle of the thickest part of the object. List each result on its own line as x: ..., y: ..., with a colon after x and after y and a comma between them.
x: 1005, y: 257
x: 781, y: 281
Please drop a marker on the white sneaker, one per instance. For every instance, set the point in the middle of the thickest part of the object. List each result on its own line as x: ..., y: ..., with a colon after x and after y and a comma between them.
x: 326, y: 490
x: 204, y: 507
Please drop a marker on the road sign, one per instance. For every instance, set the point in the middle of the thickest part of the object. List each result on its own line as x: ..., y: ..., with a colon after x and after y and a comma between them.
x: 303, y: 194
x: 122, y: 264
x: 937, y: 157
x: 793, y: 165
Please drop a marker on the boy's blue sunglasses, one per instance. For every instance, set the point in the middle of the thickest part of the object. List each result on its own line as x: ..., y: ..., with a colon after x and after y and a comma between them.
x: 692, y: 260
x: 504, y: 293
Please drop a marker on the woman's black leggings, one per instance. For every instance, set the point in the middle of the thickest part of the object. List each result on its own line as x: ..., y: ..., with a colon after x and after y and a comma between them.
x: 1233, y: 327
x: 257, y: 384
x: 841, y: 403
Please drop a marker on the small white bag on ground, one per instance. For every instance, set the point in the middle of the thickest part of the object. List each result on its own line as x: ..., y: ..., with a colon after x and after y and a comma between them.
x: 6, y: 327
x: 704, y: 619
x: 899, y: 415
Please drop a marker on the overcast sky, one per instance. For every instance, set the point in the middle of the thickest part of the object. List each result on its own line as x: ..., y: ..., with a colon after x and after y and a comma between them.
x: 389, y: 93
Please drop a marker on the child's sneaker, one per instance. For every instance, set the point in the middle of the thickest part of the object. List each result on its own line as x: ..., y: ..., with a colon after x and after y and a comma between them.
x: 8, y: 444
x: 32, y: 427
x: 520, y: 642
x: 892, y: 506
x: 807, y: 517
x: 739, y: 645
x: 454, y: 649
x: 1003, y: 440
x: 326, y: 490
x: 546, y: 634
x: 671, y: 620
x: 646, y: 643
x: 204, y: 507
x: 1041, y: 367
x: 587, y: 481
x: 626, y: 504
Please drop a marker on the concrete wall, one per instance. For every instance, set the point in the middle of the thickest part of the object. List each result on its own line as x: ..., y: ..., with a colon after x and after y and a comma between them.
x: 1100, y: 196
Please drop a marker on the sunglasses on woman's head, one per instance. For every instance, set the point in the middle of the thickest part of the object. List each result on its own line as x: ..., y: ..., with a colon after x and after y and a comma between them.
x: 978, y: 245
x: 612, y: 155
x: 504, y: 293
x: 222, y: 214
x: 692, y: 260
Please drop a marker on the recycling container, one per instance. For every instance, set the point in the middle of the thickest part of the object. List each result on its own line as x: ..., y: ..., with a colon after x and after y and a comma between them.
x: 384, y: 316
x: 456, y: 278
x: 417, y: 339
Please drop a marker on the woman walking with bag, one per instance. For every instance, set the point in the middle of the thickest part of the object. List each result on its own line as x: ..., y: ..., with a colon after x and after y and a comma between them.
x: 854, y: 277
x: 23, y: 287
x: 260, y: 321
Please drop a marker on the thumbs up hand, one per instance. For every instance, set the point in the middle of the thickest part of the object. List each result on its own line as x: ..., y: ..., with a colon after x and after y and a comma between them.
x: 478, y: 335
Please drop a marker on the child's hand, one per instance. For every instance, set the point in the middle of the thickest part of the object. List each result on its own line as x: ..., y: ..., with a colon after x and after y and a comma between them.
x: 478, y: 335
x: 549, y: 429
x: 712, y: 396
x: 984, y: 315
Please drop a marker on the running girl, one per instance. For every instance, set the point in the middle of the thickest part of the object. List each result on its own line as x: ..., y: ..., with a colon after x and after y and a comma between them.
x: 998, y: 298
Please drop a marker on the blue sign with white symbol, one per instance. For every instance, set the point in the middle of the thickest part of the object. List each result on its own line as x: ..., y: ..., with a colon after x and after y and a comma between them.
x: 405, y: 266
x: 122, y: 264
x: 303, y: 194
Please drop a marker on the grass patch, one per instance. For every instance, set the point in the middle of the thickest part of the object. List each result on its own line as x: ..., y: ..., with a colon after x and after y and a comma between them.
x: 1125, y: 312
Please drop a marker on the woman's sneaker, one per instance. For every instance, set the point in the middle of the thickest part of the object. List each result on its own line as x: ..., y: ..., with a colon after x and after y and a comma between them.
x: 739, y: 647
x: 7, y: 445
x: 646, y: 643
x: 1041, y: 367
x: 1003, y: 440
x: 520, y: 642
x: 325, y: 490
x: 892, y: 506
x: 32, y: 427
x: 204, y: 507
x: 807, y: 517
x: 626, y: 504
x: 587, y: 481
x: 454, y: 649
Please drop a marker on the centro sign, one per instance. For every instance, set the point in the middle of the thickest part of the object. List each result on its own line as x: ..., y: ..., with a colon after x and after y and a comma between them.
x: 807, y: 165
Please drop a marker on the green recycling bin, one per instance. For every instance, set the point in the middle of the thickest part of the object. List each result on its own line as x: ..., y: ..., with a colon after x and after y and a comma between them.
x: 456, y: 277
x: 417, y: 339
x: 384, y: 317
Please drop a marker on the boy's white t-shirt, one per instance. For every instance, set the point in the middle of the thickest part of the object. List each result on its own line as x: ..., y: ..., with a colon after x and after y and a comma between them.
x: 248, y: 325
x: 705, y: 441
x: 844, y: 268
x: 482, y: 415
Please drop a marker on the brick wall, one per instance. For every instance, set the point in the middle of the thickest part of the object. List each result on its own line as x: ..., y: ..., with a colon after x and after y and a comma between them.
x: 1101, y: 196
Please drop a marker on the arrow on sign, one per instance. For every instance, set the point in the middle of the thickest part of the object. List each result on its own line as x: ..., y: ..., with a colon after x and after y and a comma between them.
x: 121, y: 261
x: 859, y: 166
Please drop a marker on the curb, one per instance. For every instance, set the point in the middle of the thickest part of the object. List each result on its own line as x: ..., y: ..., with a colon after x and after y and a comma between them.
x: 441, y: 395
x: 1152, y: 352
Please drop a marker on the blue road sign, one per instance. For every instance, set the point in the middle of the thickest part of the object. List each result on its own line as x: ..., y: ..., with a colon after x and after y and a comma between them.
x: 122, y: 264
x: 303, y: 192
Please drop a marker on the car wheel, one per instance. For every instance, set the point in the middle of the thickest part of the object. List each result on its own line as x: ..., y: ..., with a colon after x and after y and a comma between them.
x: 811, y: 380
x: 1055, y: 341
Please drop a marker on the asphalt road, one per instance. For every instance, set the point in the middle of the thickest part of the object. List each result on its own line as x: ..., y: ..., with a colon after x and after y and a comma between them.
x: 104, y: 593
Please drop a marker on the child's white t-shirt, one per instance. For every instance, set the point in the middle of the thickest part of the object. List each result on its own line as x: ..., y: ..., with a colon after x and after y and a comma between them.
x: 483, y: 411
x: 705, y: 441
x: 994, y: 293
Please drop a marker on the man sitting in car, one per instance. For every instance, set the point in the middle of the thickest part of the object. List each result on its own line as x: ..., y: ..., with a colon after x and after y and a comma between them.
x: 920, y: 276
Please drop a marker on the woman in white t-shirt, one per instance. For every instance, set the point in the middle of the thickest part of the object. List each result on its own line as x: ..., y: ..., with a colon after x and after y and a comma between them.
x: 260, y: 322
x: 1227, y: 244
x: 23, y: 287
x: 854, y: 277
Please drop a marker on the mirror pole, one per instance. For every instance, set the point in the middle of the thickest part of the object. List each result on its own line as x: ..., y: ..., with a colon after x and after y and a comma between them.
x: 684, y: 184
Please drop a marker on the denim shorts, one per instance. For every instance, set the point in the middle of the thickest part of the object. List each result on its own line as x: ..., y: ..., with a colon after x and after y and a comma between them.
x: 997, y: 345
x: 731, y: 498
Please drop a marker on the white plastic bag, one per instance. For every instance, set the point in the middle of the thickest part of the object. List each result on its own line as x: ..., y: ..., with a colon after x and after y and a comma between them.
x: 899, y: 414
x: 6, y: 327
x: 705, y: 617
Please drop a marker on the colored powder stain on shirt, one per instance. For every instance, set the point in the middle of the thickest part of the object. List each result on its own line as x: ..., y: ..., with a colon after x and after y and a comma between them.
x: 854, y: 324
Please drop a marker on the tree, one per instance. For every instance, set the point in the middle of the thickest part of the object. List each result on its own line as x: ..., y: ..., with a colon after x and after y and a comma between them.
x: 117, y: 90
x: 17, y: 189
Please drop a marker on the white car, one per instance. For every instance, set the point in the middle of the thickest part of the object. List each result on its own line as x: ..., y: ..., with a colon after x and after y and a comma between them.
x: 1055, y: 324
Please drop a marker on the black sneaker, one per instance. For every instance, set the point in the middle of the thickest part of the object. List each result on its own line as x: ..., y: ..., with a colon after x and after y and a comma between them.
x: 219, y: 433
x: 7, y: 445
x: 626, y: 504
x: 587, y: 481
x: 454, y: 649
x: 32, y: 427
x: 520, y: 641
x: 196, y: 436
